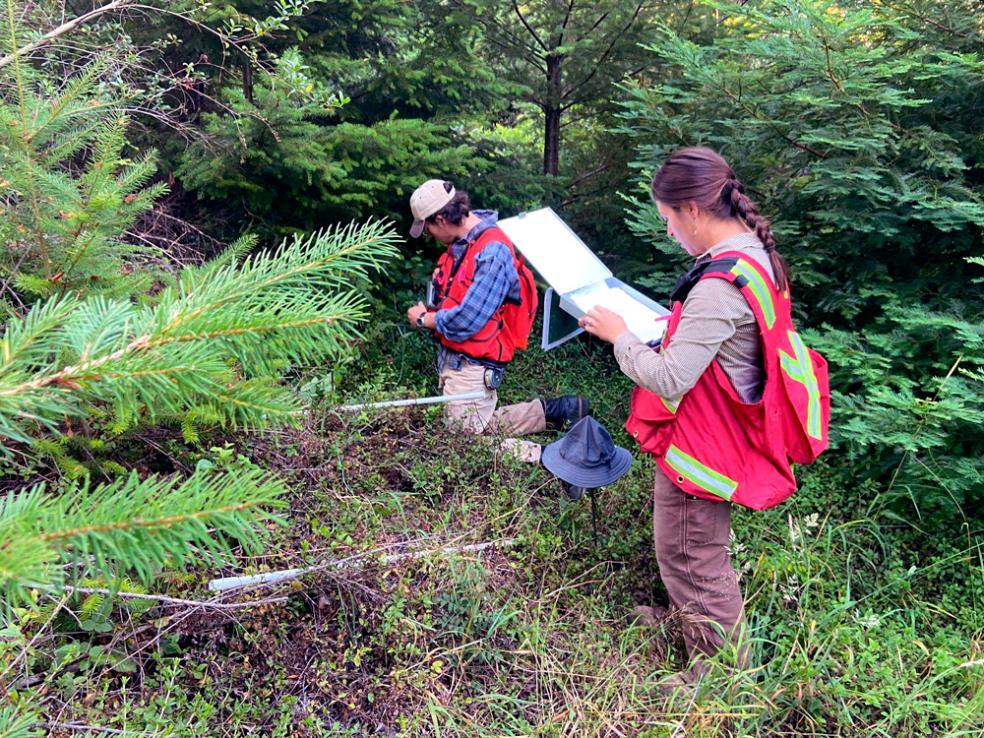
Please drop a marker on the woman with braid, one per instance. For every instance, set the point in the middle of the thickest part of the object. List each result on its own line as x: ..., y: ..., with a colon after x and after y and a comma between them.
x: 718, y: 431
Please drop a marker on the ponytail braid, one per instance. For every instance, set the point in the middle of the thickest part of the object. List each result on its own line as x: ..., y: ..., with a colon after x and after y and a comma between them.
x: 743, y: 207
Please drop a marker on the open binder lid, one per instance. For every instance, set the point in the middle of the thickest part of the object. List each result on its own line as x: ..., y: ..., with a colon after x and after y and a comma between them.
x: 554, y: 250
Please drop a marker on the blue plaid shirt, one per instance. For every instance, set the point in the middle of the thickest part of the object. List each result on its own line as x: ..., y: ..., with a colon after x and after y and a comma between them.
x: 495, y: 280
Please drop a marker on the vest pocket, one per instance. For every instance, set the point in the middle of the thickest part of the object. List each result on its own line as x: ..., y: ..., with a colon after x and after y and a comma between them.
x: 651, y: 421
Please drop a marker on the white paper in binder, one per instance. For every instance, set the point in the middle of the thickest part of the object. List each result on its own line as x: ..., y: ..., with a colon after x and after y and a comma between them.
x: 579, y: 277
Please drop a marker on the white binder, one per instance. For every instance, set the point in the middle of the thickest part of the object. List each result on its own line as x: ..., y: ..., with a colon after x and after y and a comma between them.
x: 578, y: 278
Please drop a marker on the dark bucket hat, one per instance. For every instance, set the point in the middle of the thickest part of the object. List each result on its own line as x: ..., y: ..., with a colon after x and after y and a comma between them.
x: 586, y: 456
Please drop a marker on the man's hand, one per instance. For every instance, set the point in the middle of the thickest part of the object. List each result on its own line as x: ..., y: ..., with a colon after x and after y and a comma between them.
x: 415, y: 312
x: 603, y: 323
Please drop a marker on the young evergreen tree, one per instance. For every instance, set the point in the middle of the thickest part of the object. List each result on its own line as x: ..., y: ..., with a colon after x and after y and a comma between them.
x: 212, y: 347
x: 84, y: 351
x: 69, y: 191
x: 287, y: 142
x: 392, y: 93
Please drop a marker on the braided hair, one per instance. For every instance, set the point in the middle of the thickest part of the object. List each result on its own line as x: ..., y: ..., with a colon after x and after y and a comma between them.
x: 700, y: 175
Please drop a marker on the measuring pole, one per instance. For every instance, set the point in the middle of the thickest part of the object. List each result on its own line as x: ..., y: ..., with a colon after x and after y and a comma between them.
x: 476, y: 395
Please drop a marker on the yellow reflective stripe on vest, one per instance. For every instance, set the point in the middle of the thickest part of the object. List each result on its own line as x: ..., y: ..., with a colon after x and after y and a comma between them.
x: 671, y: 406
x: 700, y: 474
x: 800, y: 369
x: 759, y: 288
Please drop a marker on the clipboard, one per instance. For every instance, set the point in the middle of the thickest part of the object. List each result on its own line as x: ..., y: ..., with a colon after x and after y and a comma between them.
x: 578, y: 280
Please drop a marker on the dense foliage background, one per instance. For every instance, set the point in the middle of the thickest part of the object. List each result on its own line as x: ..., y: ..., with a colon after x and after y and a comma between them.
x: 200, y: 211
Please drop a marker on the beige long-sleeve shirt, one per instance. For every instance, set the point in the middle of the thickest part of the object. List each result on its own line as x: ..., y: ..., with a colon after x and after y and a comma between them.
x: 716, y: 322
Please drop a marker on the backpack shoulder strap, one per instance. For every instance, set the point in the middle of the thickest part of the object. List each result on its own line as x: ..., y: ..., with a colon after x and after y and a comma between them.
x: 523, y: 273
x: 718, y: 267
x: 493, y: 233
x: 755, y: 284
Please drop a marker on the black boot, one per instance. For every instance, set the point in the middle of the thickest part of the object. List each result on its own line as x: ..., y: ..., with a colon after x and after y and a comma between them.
x: 562, y: 412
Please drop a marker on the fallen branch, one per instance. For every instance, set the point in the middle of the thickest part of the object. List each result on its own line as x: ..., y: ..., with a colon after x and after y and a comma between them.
x: 79, y: 727
x: 225, y: 584
x: 63, y: 29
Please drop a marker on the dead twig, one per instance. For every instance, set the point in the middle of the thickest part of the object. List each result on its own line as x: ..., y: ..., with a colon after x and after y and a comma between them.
x: 80, y: 727
x: 64, y: 28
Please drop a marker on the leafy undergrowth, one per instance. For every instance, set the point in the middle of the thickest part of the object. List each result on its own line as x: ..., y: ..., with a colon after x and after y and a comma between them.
x: 860, y: 625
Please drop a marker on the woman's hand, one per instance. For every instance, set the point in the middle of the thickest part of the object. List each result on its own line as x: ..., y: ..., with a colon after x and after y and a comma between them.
x: 603, y: 323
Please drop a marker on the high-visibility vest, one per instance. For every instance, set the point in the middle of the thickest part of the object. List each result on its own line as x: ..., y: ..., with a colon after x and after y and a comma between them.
x: 509, y: 326
x: 715, y: 446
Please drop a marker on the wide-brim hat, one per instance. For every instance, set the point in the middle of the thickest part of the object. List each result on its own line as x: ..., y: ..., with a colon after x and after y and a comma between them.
x: 426, y: 200
x: 586, y: 456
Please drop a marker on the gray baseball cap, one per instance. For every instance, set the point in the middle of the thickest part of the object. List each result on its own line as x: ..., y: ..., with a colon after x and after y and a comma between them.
x: 429, y: 198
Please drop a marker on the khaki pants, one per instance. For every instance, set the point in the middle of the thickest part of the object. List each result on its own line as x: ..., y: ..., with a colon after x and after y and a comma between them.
x: 691, y: 537
x: 481, y: 416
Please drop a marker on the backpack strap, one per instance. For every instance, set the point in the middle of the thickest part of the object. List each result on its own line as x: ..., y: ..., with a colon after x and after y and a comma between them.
x: 743, y: 273
x: 686, y: 283
x: 495, y: 233
x: 447, y: 258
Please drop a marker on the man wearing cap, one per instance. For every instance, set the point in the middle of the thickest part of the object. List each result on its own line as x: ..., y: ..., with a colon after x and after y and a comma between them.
x: 474, y: 279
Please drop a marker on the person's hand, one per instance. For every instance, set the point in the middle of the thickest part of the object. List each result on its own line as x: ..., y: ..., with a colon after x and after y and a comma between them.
x: 603, y: 323
x: 415, y: 312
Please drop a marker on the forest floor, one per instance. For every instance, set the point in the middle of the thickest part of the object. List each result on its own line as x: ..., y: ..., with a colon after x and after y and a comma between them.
x: 860, y: 626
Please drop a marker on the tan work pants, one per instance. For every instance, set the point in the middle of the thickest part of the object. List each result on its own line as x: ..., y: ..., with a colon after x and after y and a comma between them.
x: 481, y: 416
x: 691, y: 537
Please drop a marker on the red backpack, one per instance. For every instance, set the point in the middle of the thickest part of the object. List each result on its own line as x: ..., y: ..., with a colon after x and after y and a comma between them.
x: 518, y: 317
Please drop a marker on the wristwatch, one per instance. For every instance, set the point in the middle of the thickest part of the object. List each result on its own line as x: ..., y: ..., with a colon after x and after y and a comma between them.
x: 420, y: 319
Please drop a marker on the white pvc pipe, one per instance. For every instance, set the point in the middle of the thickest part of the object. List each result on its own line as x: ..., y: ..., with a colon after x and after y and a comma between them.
x: 221, y: 585
x: 226, y: 583
x: 476, y: 395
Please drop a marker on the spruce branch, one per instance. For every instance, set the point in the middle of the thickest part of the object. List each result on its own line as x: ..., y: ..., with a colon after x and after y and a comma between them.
x: 63, y: 228
x: 18, y: 723
x: 220, y: 326
x: 130, y: 525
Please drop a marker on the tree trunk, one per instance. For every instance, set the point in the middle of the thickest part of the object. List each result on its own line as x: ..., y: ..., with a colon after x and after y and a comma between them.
x: 552, y: 113
x: 248, y: 79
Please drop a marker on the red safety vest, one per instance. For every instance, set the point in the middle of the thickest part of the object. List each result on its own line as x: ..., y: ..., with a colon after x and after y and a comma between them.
x: 713, y: 445
x: 508, y: 328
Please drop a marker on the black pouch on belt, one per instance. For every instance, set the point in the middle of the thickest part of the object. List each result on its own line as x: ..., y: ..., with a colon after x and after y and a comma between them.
x: 493, y: 377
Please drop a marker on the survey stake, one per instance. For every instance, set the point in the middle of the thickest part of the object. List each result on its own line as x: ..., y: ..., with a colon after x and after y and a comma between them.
x: 578, y: 279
